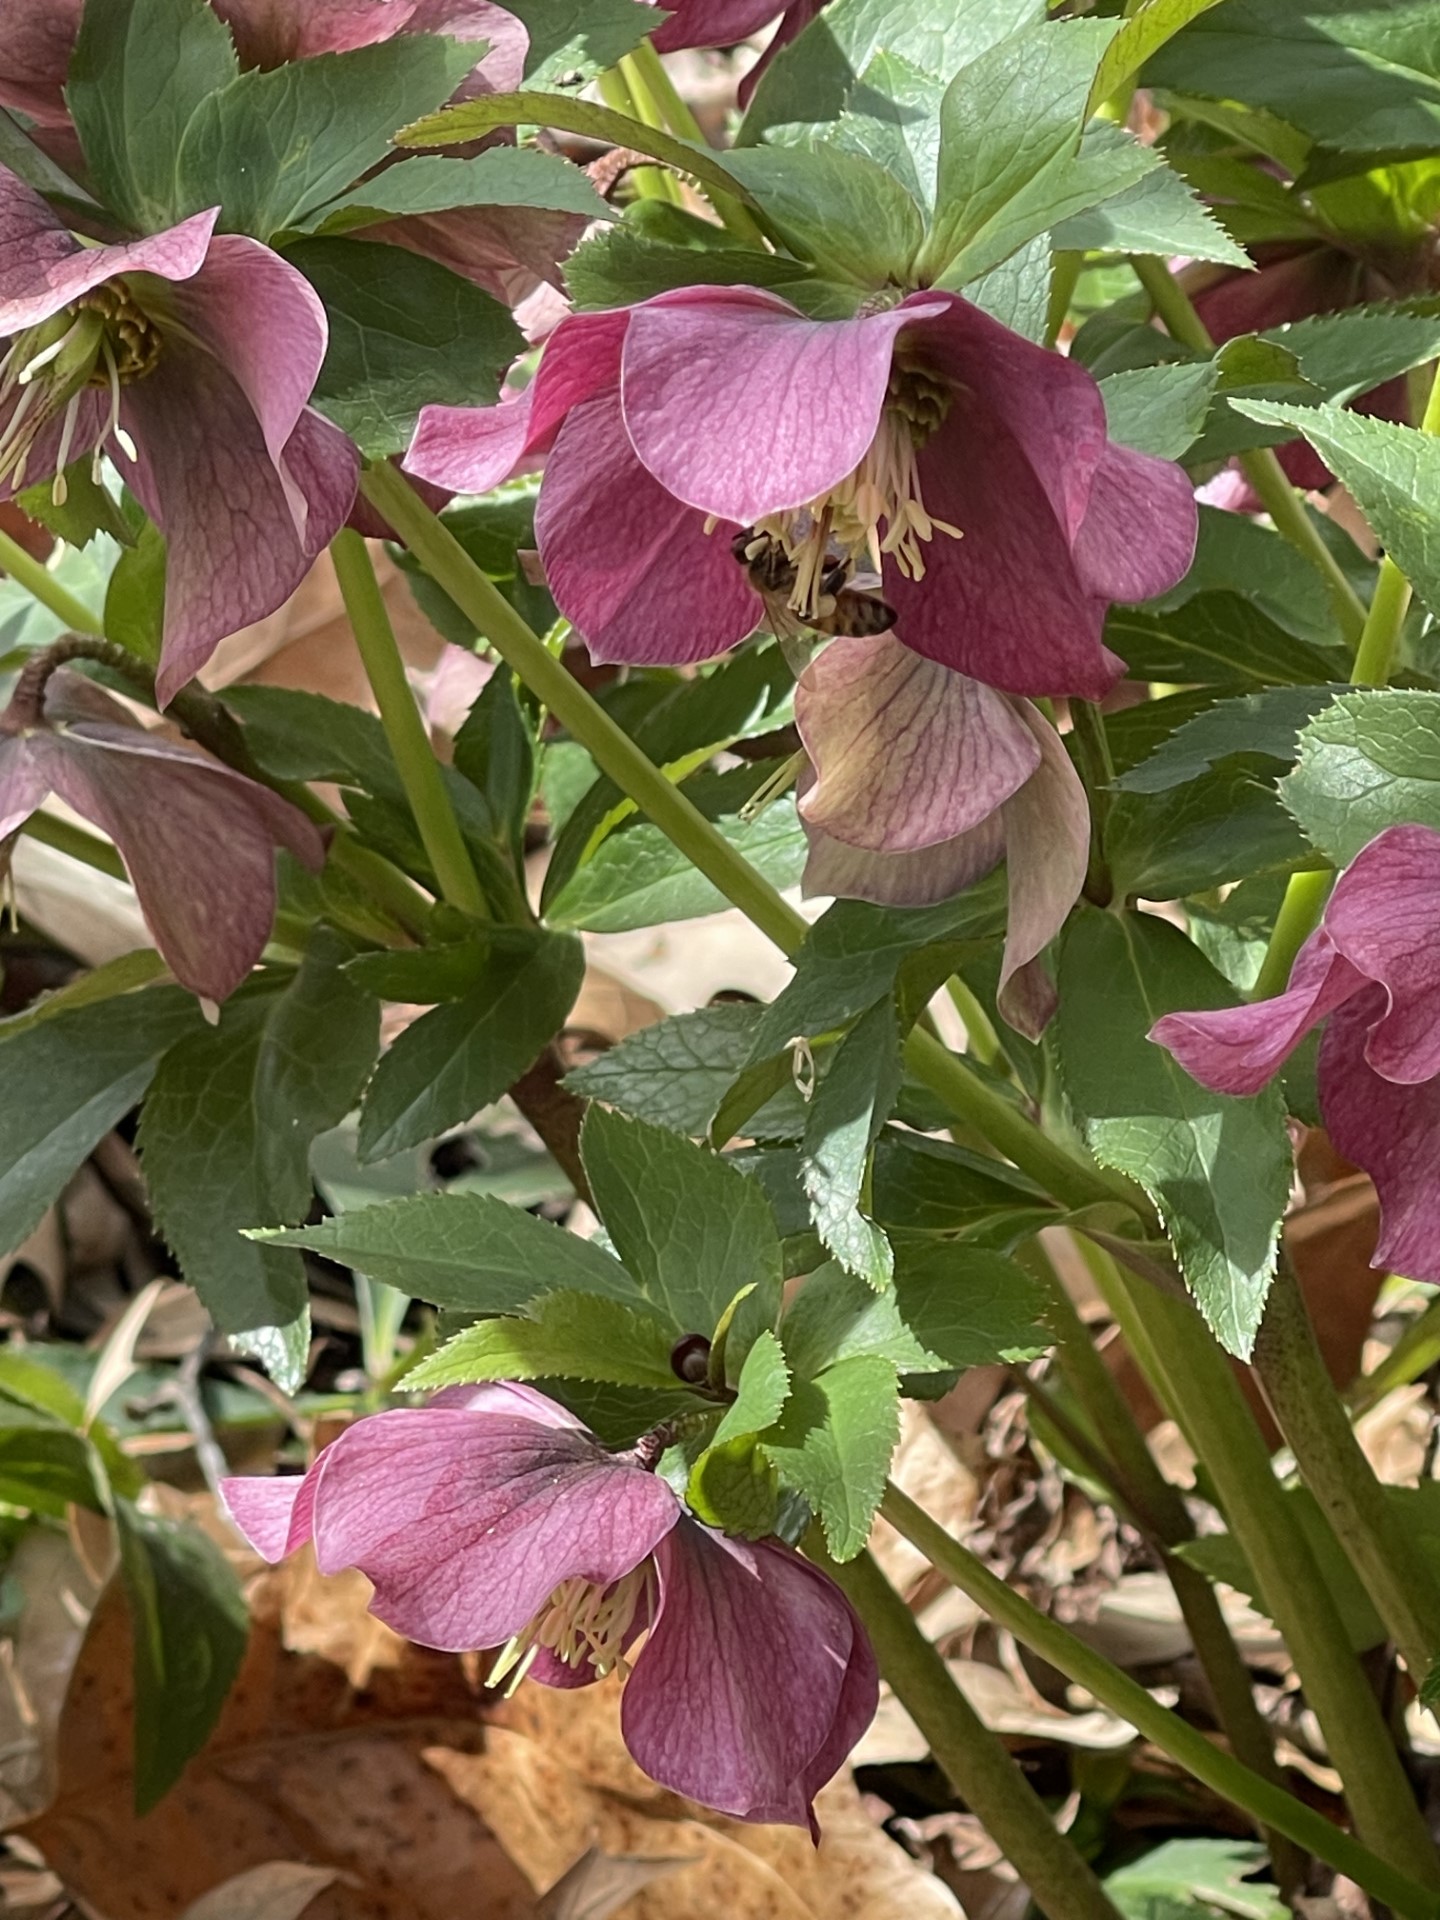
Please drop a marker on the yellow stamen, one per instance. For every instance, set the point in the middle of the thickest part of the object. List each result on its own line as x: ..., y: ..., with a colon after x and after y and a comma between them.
x: 581, y: 1623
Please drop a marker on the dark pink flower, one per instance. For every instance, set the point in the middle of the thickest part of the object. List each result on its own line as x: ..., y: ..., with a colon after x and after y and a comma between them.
x: 724, y: 23
x: 922, y: 782
x: 197, y: 838
x: 492, y: 1516
x: 967, y: 465
x: 189, y: 358
x: 36, y: 40
x: 1372, y: 971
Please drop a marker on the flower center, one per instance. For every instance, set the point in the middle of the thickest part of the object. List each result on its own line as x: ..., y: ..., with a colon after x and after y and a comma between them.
x: 102, y: 340
x: 582, y: 1624
x: 877, y: 509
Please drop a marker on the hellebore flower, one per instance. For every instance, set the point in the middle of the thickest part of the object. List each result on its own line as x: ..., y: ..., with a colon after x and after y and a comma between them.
x: 36, y: 41
x: 967, y: 466
x: 923, y: 781
x: 189, y: 358
x: 1372, y: 971
x: 492, y: 1516
x: 197, y: 838
x: 724, y: 23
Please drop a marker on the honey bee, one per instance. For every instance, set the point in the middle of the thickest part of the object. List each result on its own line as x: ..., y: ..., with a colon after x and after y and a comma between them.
x: 844, y: 608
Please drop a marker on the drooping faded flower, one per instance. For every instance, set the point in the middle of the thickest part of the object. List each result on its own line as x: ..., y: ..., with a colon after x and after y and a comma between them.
x: 493, y: 1517
x: 198, y: 839
x: 189, y: 358
x: 1371, y: 971
x: 967, y: 466
x: 922, y: 782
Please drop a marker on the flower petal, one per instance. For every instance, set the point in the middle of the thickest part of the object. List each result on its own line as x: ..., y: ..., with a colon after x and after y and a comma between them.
x: 273, y: 1514
x: 24, y: 784
x: 712, y: 23
x: 508, y: 251
x: 1138, y: 534
x: 1047, y: 850
x: 630, y: 565
x: 917, y: 879
x: 43, y: 267
x: 1384, y: 917
x: 507, y: 41
x: 268, y: 33
x: 37, y: 38
x: 1238, y: 1049
x: 906, y: 753
x: 755, y: 1680
x: 467, y: 1522
x: 1389, y: 1128
x: 739, y: 406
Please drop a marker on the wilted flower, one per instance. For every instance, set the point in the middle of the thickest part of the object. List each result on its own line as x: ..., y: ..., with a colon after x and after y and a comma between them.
x: 923, y: 780
x: 197, y: 838
x: 1372, y: 971
x: 493, y: 1517
x: 967, y: 465
x: 189, y: 358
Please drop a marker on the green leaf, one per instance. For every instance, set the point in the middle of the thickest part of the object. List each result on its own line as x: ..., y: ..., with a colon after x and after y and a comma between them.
x: 464, y: 1250
x: 733, y: 1485
x: 677, y: 1073
x: 283, y: 1350
x: 140, y: 70
x: 1345, y: 354
x: 1156, y: 214
x: 404, y: 331
x: 72, y: 1078
x: 573, y: 40
x: 135, y: 598
x: 848, y: 1110
x: 576, y: 1336
x: 1215, y: 638
x: 45, y: 1466
x: 305, y: 736
x: 495, y: 751
x: 1235, y: 554
x: 434, y: 183
x: 190, y: 1625
x: 894, y: 119
x: 1266, y: 723
x: 475, y: 118
x: 760, y: 1392
x: 277, y: 144
x: 837, y: 1315
x: 1370, y: 761
x: 1017, y: 292
x: 842, y: 211
x: 88, y: 507
x: 226, y: 1131
x: 461, y: 1057
x: 1225, y: 825
x: 1141, y: 34
x: 627, y: 263
x: 834, y: 1442
x: 690, y: 1228
x: 930, y: 1186
x: 1180, y: 1877
x: 1394, y: 473
x: 1159, y: 410
x: 1010, y: 128
x: 1218, y: 1169
x: 966, y: 1305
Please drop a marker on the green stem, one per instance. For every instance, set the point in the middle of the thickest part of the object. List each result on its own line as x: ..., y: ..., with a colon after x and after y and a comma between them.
x: 415, y: 759
x: 1414, y: 1353
x: 981, y: 1038
x: 652, y: 181
x: 66, y: 837
x: 1222, y: 1429
x: 973, y: 1759
x: 1382, y: 1548
x: 656, y: 91
x: 41, y: 585
x: 1262, y: 469
x: 1065, y: 270
x: 1173, y: 1735
x: 1299, y: 915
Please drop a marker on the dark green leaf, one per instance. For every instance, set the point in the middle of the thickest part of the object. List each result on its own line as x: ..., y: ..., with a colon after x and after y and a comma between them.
x: 837, y: 1315
x: 275, y: 145
x: 461, y: 1057
x: 225, y: 1135
x: 72, y: 1078
x: 677, y: 1072
x: 1235, y: 554
x: 1219, y: 1169
x: 139, y: 72
x: 1370, y: 761
x: 1161, y: 409
x: 190, y: 1624
x: 44, y: 1466
x: 87, y: 507
x: 966, y: 1305
x: 464, y: 1250
x: 834, y: 1442
x: 931, y: 1186
x: 1214, y: 638
x: 305, y: 736
x: 576, y: 1336
x: 573, y: 40
x: 1266, y: 723
x: 848, y: 1110
x: 434, y: 183
x: 1345, y: 354
x: 404, y: 331
x: 495, y: 751
x: 135, y: 598
x: 493, y: 532
x: 627, y: 263
x: 840, y: 210
x: 1227, y: 824
x: 1156, y: 214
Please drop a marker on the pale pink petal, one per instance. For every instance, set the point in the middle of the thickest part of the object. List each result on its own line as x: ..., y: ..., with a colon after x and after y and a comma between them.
x: 24, y: 784
x: 1238, y: 1049
x: 1138, y: 534
x: 1047, y: 849
x: 459, y: 679
x: 507, y: 1396
x: 906, y: 753
x: 507, y: 42
x: 37, y: 38
x: 44, y: 268
x: 755, y: 1682
x: 1384, y: 917
x: 632, y: 567
x: 902, y: 879
x: 274, y: 1515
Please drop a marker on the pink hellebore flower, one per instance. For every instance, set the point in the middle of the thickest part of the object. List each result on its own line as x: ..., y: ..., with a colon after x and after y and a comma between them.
x: 927, y: 442
x: 197, y: 838
x: 492, y: 1516
x: 1372, y: 967
x: 923, y: 780
x: 724, y: 23
x: 189, y: 358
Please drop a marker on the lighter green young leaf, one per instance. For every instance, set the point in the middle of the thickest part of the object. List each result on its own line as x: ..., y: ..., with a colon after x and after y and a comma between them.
x: 564, y: 1336
x: 834, y: 1443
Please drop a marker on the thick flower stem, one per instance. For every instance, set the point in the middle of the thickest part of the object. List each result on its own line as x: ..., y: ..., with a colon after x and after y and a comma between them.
x: 1299, y: 915
x: 1368, y: 1525
x: 652, y: 182
x: 1126, y: 1698
x: 973, y: 1759
x: 41, y: 585
x: 414, y: 757
x: 1219, y: 1424
x: 1414, y: 1353
x: 969, y: 1097
x: 1262, y: 469
x: 654, y: 90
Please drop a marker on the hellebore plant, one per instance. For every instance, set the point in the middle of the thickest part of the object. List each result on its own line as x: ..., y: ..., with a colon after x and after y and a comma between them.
x: 1371, y: 971
x: 492, y: 1518
x: 188, y: 357
x: 965, y: 465
x: 197, y: 838
x: 923, y: 780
